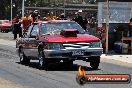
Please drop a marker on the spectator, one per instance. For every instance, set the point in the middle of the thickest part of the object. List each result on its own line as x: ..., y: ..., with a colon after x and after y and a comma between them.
x: 26, y: 21
x: 62, y: 16
x: 80, y: 20
x: 45, y: 19
x: 39, y: 18
x: 16, y: 18
x: 17, y: 28
x: 35, y: 16
x: 93, y: 22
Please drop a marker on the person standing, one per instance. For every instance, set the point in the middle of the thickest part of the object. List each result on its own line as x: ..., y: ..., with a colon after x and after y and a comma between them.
x: 26, y: 21
x: 93, y: 22
x: 17, y: 28
x: 62, y: 16
x: 82, y: 21
x: 35, y: 16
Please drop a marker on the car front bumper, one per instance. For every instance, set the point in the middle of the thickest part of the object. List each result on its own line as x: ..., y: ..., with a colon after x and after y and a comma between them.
x: 7, y: 29
x: 68, y: 53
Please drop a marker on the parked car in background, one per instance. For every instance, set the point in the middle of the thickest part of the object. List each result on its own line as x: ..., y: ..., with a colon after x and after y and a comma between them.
x: 5, y: 26
x: 58, y: 40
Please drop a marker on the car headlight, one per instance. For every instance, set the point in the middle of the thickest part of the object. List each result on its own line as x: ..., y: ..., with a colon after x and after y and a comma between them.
x: 55, y: 46
x: 96, y: 45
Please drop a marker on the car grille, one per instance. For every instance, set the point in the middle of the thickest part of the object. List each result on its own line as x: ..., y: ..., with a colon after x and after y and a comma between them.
x: 76, y: 45
x: 7, y: 27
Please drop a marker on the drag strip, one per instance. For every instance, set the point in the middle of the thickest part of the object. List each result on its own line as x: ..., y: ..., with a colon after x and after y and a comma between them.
x: 31, y: 76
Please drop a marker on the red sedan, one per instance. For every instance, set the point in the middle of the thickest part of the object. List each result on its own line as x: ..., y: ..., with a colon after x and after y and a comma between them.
x: 5, y: 26
x: 59, y: 40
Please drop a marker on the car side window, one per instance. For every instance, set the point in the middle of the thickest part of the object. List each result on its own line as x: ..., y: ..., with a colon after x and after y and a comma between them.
x: 29, y: 30
x: 43, y: 29
x: 34, y: 30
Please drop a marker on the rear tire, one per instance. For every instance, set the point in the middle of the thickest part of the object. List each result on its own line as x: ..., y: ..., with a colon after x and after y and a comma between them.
x: 23, y: 58
x: 6, y: 31
x: 94, y: 62
x: 1, y: 31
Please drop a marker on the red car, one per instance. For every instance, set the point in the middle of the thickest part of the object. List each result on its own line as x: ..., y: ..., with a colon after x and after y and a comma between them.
x: 5, y: 26
x: 58, y: 40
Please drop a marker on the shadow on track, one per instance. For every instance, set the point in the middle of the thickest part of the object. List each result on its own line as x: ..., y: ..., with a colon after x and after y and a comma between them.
x: 59, y: 67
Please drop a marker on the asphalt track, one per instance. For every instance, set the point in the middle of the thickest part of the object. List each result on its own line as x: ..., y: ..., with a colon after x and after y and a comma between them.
x: 57, y: 76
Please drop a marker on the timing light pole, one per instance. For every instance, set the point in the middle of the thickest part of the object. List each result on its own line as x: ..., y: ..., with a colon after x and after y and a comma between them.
x: 107, y: 26
x: 64, y: 8
x: 11, y: 11
x: 23, y: 8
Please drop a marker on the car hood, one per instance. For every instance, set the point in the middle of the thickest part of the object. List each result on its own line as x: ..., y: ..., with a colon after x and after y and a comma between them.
x: 78, y: 38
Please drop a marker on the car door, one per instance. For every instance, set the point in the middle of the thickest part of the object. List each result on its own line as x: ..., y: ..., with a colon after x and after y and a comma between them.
x: 30, y: 42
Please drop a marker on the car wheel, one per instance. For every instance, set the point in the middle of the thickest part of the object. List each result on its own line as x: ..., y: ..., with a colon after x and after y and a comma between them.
x: 6, y: 31
x: 23, y: 58
x: 43, y: 63
x: 1, y: 31
x: 94, y: 62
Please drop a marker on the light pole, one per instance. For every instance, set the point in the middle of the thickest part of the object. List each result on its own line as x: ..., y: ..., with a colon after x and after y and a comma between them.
x: 64, y: 8
x: 107, y: 25
x: 22, y: 8
x: 11, y: 11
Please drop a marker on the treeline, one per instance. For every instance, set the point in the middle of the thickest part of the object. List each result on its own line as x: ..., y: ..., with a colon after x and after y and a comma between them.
x: 5, y: 5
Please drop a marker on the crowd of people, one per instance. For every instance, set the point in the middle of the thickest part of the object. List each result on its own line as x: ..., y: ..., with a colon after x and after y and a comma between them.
x: 20, y: 25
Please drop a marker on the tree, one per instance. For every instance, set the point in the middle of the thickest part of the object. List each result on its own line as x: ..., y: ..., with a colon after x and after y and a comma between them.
x: 5, y: 5
x: 4, y: 8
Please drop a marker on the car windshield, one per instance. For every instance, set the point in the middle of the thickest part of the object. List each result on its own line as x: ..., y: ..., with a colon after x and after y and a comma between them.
x: 56, y: 27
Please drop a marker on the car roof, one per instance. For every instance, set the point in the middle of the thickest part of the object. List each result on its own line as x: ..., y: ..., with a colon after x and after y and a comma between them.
x: 52, y: 21
x: 58, y: 21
